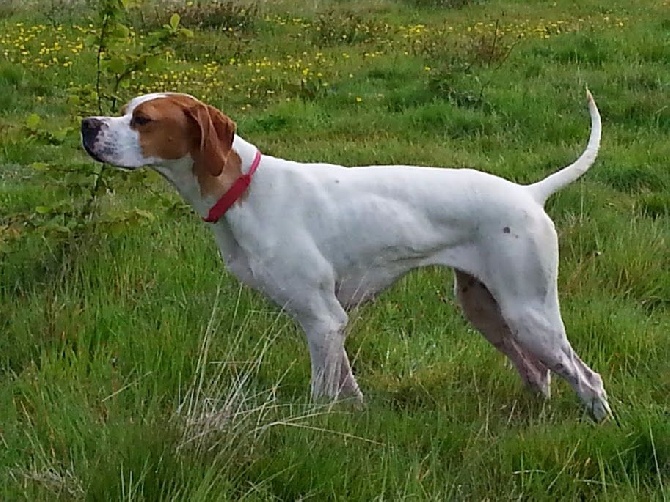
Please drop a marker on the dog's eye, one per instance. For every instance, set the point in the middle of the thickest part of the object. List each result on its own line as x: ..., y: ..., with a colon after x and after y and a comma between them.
x: 140, y: 120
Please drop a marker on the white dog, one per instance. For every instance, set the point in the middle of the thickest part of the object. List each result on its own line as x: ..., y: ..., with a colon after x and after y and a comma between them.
x: 320, y: 238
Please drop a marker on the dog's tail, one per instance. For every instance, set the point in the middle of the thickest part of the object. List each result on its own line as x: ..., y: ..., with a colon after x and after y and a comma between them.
x: 542, y: 190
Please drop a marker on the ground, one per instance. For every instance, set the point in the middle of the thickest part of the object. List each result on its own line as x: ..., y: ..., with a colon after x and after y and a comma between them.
x: 134, y: 367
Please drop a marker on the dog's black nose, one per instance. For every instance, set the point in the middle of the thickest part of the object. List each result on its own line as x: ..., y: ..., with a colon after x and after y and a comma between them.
x: 90, y: 127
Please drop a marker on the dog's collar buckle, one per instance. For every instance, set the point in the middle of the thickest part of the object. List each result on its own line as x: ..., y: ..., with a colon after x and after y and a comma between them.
x: 233, y: 193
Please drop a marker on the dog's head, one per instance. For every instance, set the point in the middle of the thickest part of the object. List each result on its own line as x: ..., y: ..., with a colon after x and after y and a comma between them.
x: 162, y: 130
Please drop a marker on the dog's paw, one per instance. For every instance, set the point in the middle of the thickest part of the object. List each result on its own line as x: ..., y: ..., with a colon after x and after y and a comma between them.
x: 600, y: 409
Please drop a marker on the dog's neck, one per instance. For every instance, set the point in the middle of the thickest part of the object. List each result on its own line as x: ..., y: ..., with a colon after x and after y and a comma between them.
x: 246, y: 151
x: 181, y: 175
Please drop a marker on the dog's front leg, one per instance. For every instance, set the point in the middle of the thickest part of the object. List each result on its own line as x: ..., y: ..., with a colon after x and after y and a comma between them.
x: 332, y: 377
x: 305, y: 287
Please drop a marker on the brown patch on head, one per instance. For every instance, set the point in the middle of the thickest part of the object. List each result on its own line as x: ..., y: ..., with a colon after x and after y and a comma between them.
x: 165, y: 130
x: 175, y: 126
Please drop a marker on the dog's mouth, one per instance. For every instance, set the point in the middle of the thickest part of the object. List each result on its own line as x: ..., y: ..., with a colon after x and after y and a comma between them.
x: 96, y: 156
x: 91, y: 151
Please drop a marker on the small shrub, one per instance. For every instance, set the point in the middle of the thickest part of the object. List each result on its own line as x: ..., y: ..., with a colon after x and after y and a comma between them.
x: 59, y: 11
x: 465, y: 57
x: 312, y: 88
x: 226, y: 16
x: 345, y: 28
x: 489, y: 48
x: 447, y: 4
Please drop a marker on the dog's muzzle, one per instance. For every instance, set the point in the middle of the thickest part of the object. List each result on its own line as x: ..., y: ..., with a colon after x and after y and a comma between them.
x: 90, y: 128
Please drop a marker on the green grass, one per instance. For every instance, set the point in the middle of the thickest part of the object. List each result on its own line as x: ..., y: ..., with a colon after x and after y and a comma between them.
x: 135, y: 368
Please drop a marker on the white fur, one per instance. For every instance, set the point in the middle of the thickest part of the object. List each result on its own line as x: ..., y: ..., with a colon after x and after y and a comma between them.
x: 118, y: 143
x: 321, y: 238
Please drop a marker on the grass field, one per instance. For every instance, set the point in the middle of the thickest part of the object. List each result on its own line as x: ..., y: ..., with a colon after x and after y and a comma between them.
x: 134, y: 368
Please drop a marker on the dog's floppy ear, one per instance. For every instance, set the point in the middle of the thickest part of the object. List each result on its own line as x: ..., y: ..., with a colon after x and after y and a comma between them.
x: 216, y: 134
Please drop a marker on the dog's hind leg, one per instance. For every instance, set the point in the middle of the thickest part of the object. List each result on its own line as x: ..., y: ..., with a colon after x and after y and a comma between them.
x: 524, y: 285
x: 348, y: 385
x: 482, y: 310
x: 538, y: 327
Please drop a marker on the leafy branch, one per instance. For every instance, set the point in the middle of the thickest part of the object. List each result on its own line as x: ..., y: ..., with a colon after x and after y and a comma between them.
x: 119, y: 55
x: 115, y: 65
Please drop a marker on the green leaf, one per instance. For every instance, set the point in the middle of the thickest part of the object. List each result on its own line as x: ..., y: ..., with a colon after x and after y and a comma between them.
x: 152, y: 62
x: 146, y: 215
x: 117, y: 227
x: 119, y: 31
x: 116, y: 65
x: 42, y: 210
x: 174, y: 21
x: 59, y: 135
x: 40, y: 166
x: 33, y: 121
x: 139, y: 63
x: 91, y: 41
x: 57, y: 229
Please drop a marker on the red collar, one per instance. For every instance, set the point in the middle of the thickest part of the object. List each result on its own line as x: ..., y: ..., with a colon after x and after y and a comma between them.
x: 234, y: 192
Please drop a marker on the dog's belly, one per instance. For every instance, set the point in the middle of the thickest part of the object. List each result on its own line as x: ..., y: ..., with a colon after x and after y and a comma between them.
x: 361, y: 286
x: 362, y: 282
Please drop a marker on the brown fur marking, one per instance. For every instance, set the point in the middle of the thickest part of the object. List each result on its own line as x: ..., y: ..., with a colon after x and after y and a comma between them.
x: 179, y: 126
